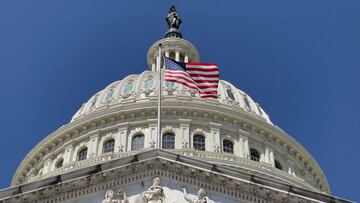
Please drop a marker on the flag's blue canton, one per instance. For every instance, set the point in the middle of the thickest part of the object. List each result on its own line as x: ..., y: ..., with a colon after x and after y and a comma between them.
x: 174, y: 65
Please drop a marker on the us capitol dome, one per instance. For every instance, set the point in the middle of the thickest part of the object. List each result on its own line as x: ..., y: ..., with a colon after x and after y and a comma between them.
x: 210, y: 150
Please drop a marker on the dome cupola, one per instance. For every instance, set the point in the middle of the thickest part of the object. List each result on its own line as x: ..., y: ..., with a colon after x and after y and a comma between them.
x: 173, y: 45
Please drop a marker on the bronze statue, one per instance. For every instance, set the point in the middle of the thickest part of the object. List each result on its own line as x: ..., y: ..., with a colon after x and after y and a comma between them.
x: 173, y: 21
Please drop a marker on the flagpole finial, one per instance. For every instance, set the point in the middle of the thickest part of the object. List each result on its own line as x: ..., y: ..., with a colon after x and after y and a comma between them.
x: 173, y: 21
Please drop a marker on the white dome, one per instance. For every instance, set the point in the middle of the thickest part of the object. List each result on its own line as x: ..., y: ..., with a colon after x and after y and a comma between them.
x: 231, y: 130
x: 143, y: 87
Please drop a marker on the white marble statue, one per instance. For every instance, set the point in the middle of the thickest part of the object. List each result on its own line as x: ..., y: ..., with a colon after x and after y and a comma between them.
x: 155, y: 194
x: 109, y: 197
x: 200, y: 198
x: 122, y: 197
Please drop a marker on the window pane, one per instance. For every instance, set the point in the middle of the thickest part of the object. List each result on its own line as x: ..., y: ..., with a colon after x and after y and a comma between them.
x: 82, y: 154
x: 247, y: 103
x: 168, y: 141
x: 199, y: 142
x: 230, y: 94
x: 109, y: 146
x: 137, y: 142
x: 93, y: 102
x: 128, y: 88
x: 109, y: 94
x: 277, y: 165
x: 59, y: 164
x: 148, y: 84
x: 254, y: 155
x: 228, y: 146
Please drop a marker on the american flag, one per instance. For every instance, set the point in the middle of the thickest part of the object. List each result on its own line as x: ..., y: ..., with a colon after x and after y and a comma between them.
x: 200, y: 76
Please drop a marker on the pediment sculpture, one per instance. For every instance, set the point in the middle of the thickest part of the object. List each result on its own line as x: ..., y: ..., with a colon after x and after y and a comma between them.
x: 200, y: 198
x: 155, y: 194
x: 121, y: 197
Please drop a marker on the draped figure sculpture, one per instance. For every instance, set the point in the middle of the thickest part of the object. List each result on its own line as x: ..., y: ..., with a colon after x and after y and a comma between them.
x: 200, y: 198
x: 155, y: 194
x: 109, y: 197
x: 173, y: 21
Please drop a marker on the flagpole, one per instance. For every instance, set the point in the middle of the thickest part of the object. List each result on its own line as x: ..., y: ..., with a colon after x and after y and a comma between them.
x: 159, y: 99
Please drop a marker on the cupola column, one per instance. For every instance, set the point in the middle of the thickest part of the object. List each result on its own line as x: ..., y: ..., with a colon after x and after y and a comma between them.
x: 186, y: 59
x: 177, y: 55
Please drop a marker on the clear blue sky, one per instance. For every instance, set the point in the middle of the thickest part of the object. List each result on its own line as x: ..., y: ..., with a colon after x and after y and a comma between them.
x: 299, y: 59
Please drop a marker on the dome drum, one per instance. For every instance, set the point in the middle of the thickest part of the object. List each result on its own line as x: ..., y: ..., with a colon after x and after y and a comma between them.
x: 206, y: 118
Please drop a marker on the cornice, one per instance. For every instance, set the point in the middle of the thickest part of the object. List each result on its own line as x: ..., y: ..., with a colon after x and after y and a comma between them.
x: 219, y: 179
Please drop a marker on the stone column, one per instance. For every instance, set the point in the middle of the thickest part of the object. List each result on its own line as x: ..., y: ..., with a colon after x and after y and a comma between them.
x: 153, y: 67
x: 177, y: 56
x: 152, y: 136
x: 272, y: 160
x: 215, y: 142
x: 93, y: 146
x: 69, y: 150
x: 167, y: 54
x: 267, y: 155
x: 184, y: 133
x: 243, y: 147
x: 290, y: 167
x: 47, y: 166
x: 244, y: 144
x: 121, y: 140
x: 186, y: 59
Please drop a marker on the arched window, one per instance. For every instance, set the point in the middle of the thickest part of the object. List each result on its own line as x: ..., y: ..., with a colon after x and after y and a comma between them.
x: 278, y: 165
x: 109, y: 146
x: 228, y: 146
x: 127, y: 88
x: 254, y: 155
x: 168, y: 141
x: 59, y: 163
x: 137, y: 142
x: 109, y: 94
x: 148, y: 83
x: 199, y: 142
x: 230, y: 94
x: 247, y: 103
x: 82, y: 155
x: 93, y: 102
